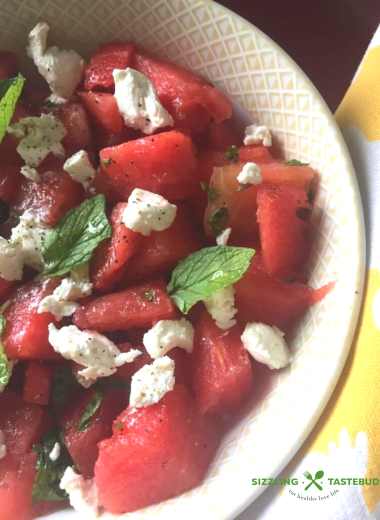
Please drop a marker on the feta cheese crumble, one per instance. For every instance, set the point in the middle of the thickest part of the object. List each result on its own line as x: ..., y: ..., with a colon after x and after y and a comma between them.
x: 39, y: 137
x: 250, y: 174
x: 28, y: 237
x: 31, y: 173
x: 83, y: 493
x: 255, y: 134
x: 79, y: 167
x: 98, y: 354
x: 152, y: 382
x: 63, y: 70
x: 221, y: 307
x: 55, y: 452
x: 222, y: 239
x: 138, y: 101
x: 266, y: 345
x: 3, y: 448
x: 62, y: 301
x: 147, y: 212
x: 11, y: 261
x: 168, y: 334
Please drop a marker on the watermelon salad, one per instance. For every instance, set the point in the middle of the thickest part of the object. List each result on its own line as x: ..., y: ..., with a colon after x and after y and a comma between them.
x: 150, y: 257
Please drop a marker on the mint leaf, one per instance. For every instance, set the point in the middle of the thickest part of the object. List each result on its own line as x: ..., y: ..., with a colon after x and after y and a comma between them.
x: 294, y: 162
x: 10, y: 90
x: 232, y: 154
x: 72, y: 240
x: 212, y: 194
x: 49, y: 472
x: 219, y: 220
x: 91, y: 408
x: 63, y: 385
x: 4, y: 367
x: 207, y: 272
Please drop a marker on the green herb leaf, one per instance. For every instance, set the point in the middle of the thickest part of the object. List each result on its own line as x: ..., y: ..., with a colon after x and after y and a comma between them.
x: 119, y: 426
x: 232, y: 154
x: 107, y: 162
x: 4, y: 367
x: 219, y: 220
x: 63, y: 385
x: 49, y: 472
x: 212, y: 194
x: 72, y: 240
x: 207, y: 272
x: 294, y: 162
x: 10, y: 90
x: 148, y: 295
x: 91, y: 408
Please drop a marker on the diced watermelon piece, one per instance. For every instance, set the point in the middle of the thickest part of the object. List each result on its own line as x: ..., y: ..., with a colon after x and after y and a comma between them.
x: 285, y: 231
x: 261, y: 298
x: 181, y: 358
x: 221, y: 136
x: 189, y: 98
x: 22, y: 423
x: 16, y: 489
x: 10, y: 177
x: 222, y: 374
x: 240, y: 203
x: 52, y: 197
x: 26, y: 333
x: 163, y: 250
x: 83, y: 445
x: 9, y: 66
x: 77, y: 123
x: 136, y: 306
x: 109, y: 262
x: 155, y: 453
x: 38, y: 381
x: 103, y: 108
x: 116, y: 55
x: 163, y: 163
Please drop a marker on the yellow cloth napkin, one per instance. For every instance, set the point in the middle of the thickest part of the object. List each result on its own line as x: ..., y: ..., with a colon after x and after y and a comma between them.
x: 346, y: 439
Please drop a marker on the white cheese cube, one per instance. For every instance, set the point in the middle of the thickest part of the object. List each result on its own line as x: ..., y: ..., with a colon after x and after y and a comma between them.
x: 138, y: 102
x: 255, y: 134
x: 31, y: 173
x: 79, y: 167
x: 222, y: 239
x: 151, y: 382
x: 83, y: 493
x: 39, y: 137
x: 55, y: 452
x: 250, y: 174
x: 221, y: 307
x: 63, y: 70
x: 62, y: 301
x: 11, y: 260
x: 28, y: 236
x: 266, y: 345
x: 168, y: 334
x: 147, y: 212
x: 96, y: 352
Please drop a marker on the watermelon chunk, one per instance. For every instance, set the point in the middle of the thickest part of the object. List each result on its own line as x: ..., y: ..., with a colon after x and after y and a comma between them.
x: 222, y: 374
x: 189, y: 98
x: 136, y: 306
x: 52, y: 197
x: 109, y: 262
x: 163, y: 250
x: 103, y: 108
x: 285, y: 231
x: 116, y: 55
x: 83, y: 445
x: 26, y: 333
x: 261, y: 298
x: 38, y: 381
x: 164, y: 164
x: 155, y: 453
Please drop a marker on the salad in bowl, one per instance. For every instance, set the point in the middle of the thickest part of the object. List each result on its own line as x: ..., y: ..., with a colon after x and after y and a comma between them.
x: 151, y: 254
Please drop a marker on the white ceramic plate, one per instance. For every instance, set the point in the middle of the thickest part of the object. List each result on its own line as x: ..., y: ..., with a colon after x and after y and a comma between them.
x: 257, y: 74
